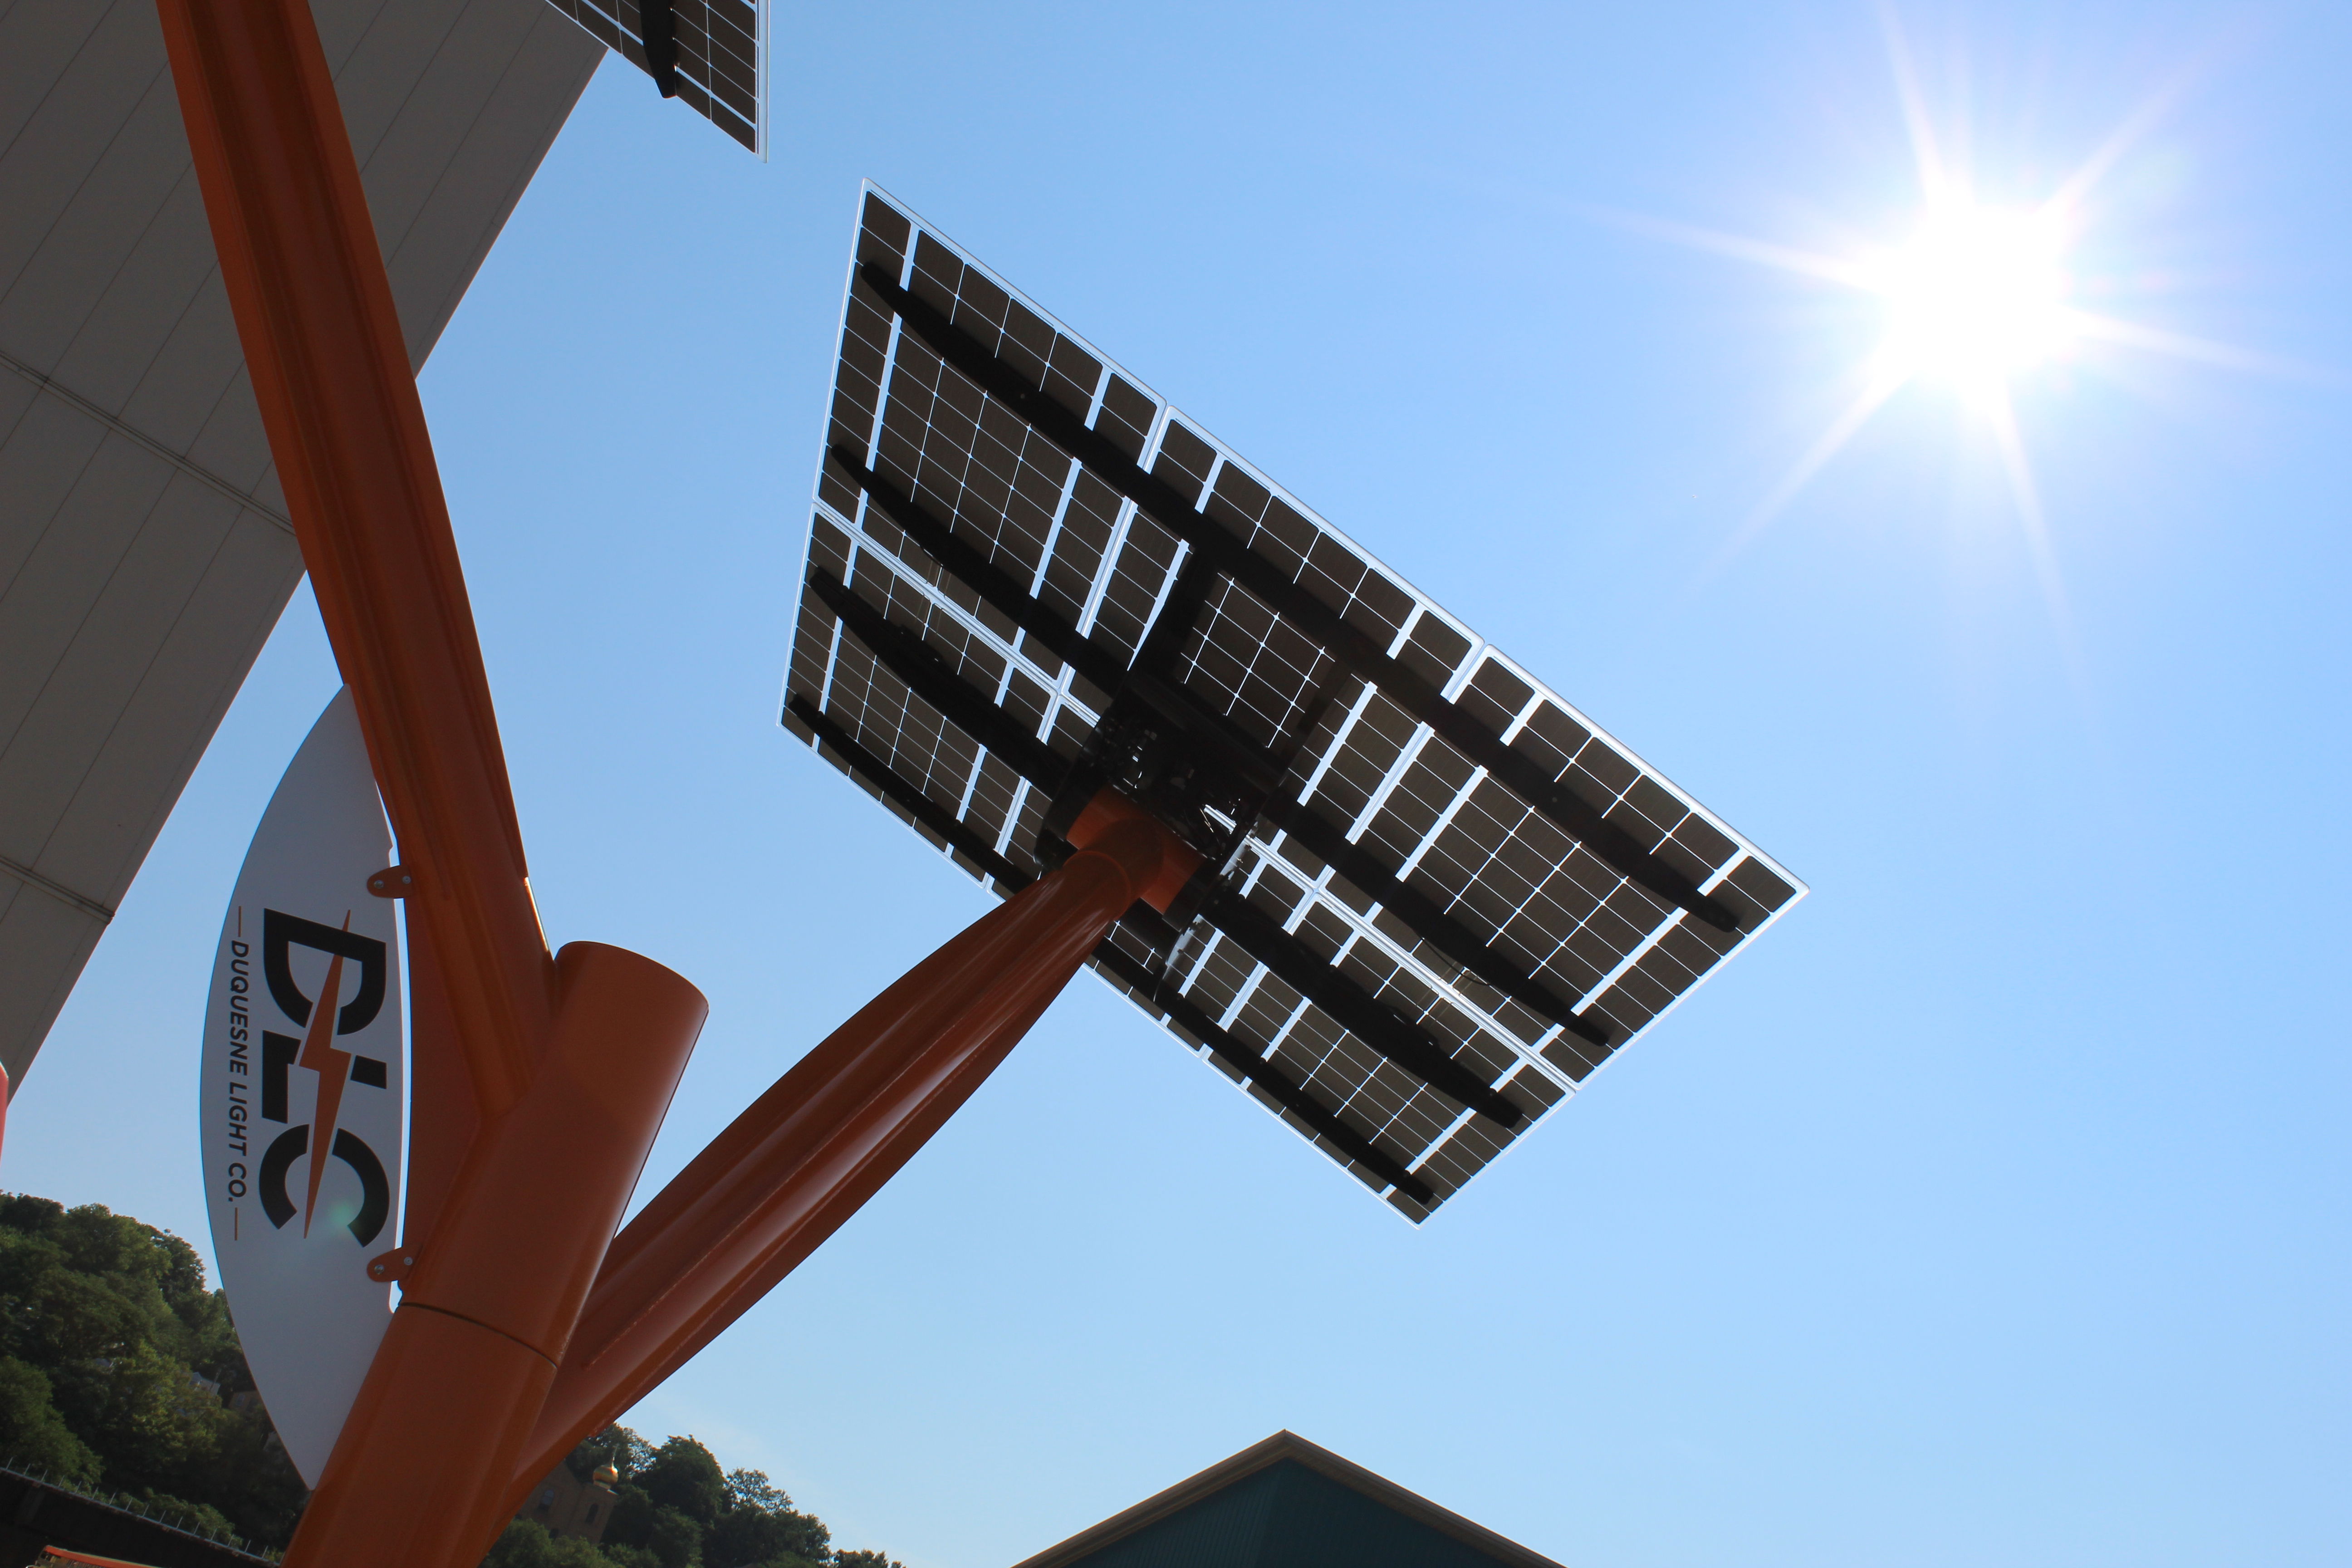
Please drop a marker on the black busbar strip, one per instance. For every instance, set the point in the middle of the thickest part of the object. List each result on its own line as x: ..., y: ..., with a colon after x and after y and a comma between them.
x: 1253, y: 1067
x: 1420, y: 914
x: 1258, y: 1070
x: 1089, y: 659
x: 1568, y: 811
x: 1375, y: 1023
x: 937, y: 541
x: 1422, y: 917
x: 922, y: 808
x: 928, y: 677
x: 1352, y: 1008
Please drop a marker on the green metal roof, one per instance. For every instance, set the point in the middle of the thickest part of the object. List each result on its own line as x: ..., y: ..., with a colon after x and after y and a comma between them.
x: 1287, y: 1503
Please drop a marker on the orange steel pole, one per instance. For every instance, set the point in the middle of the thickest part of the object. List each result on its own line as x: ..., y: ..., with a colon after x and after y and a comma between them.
x: 419, y: 1476
x: 562, y: 1069
x: 305, y: 278
x: 841, y: 1122
x: 545, y: 1079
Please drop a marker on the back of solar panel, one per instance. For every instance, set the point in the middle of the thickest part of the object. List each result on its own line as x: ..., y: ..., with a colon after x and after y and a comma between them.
x: 721, y: 54
x: 1400, y: 775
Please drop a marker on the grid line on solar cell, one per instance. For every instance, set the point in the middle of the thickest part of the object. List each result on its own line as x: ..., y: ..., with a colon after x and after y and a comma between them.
x: 1334, y: 924
x: 1447, y: 829
x: 1254, y: 667
x: 913, y: 602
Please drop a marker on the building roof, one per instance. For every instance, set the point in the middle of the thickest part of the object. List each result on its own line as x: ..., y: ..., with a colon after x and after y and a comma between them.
x: 145, y: 547
x: 1287, y: 1503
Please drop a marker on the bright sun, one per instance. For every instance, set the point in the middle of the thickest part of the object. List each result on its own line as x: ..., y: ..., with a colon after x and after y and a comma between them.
x: 1977, y: 296
x: 1976, y: 300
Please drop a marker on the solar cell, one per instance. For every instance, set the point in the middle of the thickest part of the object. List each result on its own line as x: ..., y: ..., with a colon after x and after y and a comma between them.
x: 711, y: 55
x: 1436, y: 897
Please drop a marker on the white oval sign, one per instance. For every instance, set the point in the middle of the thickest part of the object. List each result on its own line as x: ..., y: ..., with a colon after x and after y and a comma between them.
x: 302, y: 1090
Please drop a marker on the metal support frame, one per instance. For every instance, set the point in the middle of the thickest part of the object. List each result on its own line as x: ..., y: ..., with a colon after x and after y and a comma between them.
x: 1350, y: 645
x: 1355, y: 1009
x: 1378, y: 1025
x: 830, y: 1132
x: 658, y: 30
x: 1252, y: 1067
x: 1420, y: 914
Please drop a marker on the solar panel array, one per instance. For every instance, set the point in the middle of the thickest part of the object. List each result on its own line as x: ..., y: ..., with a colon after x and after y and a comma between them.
x: 721, y: 56
x: 1446, y: 897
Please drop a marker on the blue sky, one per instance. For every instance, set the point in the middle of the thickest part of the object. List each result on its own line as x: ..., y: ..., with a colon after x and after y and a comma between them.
x: 1991, y: 1209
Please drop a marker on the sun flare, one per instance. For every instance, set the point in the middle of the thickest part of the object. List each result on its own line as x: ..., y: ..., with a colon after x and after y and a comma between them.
x: 1975, y: 300
x: 1978, y: 296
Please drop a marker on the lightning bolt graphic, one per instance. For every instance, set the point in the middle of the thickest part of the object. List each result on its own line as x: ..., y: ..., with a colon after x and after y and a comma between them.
x: 334, y: 1069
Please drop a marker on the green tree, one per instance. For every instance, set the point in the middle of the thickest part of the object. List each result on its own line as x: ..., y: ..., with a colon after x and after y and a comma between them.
x: 529, y: 1544
x: 117, y: 1363
x: 674, y: 1538
x: 32, y: 1431
x: 756, y: 1538
x: 684, y: 1476
x: 743, y: 1519
x: 110, y: 1318
x: 752, y: 1490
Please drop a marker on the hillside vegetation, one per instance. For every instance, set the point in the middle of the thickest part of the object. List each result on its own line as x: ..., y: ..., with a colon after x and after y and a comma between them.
x: 677, y: 1508
x: 120, y: 1371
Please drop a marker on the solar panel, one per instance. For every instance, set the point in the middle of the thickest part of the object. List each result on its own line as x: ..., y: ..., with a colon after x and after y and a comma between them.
x: 1436, y: 897
x: 712, y: 55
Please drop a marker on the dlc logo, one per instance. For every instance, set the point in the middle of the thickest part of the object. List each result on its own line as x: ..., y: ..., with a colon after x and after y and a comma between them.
x: 315, y: 1051
x: 301, y: 1094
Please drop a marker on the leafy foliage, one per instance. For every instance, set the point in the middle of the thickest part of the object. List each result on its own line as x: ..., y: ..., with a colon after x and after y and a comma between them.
x: 529, y: 1544
x: 116, y: 1364
x: 117, y: 1368
x: 675, y: 1508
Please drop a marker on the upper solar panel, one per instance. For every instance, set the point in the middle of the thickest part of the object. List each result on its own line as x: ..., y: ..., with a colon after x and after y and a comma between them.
x: 712, y: 55
x: 1441, y: 896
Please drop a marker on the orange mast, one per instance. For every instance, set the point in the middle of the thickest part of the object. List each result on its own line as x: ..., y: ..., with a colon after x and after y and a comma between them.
x: 540, y: 1081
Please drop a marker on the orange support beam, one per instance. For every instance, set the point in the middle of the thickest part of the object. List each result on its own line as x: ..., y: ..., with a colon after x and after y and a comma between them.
x: 544, y: 1081
x: 830, y: 1132
x: 418, y: 1475
x: 314, y: 310
x: 540, y: 1083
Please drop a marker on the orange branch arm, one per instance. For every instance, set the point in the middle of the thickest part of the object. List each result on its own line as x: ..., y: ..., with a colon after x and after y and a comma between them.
x: 810, y: 1152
